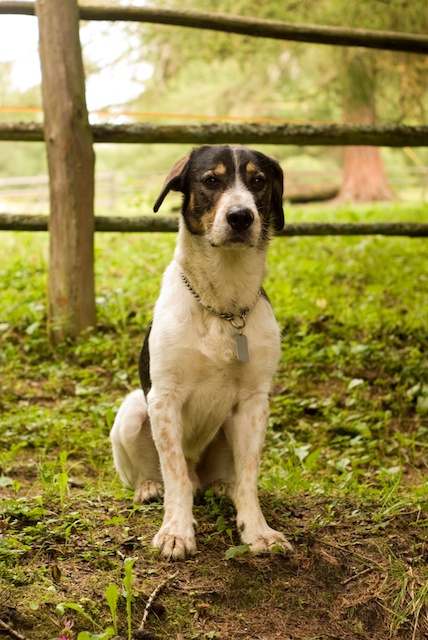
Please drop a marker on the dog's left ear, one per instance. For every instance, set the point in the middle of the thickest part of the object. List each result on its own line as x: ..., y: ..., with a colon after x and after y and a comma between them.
x: 174, y: 181
x: 276, y: 208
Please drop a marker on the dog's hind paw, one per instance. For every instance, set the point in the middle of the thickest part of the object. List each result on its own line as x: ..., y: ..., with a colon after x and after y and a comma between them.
x: 222, y: 489
x: 148, y: 491
x: 173, y: 546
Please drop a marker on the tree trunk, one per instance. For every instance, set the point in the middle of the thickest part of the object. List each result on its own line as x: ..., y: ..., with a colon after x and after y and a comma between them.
x: 364, y: 178
x: 71, y: 289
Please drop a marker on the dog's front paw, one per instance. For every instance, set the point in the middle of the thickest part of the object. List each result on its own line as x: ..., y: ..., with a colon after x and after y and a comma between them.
x: 148, y: 491
x: 266, y: 541
x: 174, y: 546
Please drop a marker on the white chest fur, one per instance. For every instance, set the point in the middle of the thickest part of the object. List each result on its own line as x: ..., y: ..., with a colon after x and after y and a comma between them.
x: 193, y: 360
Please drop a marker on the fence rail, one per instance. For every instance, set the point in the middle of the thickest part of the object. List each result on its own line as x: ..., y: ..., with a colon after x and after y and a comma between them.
x: 279, y: 30
x: 21, y: 222
x: 249, y: 133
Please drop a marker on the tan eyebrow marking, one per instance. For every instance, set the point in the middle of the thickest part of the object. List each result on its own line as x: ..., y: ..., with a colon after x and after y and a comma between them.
x: 251, y: 168
x: 218, y: 170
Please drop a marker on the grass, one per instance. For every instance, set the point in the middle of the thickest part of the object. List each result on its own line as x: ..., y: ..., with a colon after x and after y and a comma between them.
x: 344, y: 470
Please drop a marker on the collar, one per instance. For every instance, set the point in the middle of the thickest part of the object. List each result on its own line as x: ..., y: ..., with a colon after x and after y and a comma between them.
x: 231, y: 317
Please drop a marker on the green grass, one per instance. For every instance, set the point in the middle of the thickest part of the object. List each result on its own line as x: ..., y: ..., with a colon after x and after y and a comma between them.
x: 344, y: 470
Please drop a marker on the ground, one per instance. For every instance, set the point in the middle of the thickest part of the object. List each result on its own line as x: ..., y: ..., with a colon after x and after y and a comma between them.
x: 350, y: 572
x: 344, y: 469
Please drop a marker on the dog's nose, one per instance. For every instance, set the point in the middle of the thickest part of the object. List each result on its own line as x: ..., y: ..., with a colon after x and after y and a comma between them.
x: 239, y: 219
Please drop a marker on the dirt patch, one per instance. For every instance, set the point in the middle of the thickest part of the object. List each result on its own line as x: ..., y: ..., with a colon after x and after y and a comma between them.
x: 343, y: 582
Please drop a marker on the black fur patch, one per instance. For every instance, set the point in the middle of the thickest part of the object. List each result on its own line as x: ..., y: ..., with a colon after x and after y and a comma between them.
x: 144, y: 364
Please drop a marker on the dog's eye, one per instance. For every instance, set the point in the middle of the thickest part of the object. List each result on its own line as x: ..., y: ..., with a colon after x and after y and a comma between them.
x: 210, y: 182
x: 258, y: 183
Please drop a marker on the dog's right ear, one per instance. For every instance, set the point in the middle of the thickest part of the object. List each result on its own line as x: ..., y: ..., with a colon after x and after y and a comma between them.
x: 174, y: 181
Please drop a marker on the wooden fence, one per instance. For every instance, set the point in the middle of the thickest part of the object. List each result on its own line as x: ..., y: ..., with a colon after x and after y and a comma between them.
x: 69, y: 138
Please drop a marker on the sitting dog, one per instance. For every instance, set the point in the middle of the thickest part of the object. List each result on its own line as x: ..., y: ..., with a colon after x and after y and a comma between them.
x: 207, y: 364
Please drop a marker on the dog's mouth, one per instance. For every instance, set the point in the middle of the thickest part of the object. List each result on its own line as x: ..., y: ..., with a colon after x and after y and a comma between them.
x: 239, y: 238
x: 235, y: 241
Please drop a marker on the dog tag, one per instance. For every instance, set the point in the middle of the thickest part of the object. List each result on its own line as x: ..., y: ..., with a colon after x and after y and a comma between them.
x: 242, y: 347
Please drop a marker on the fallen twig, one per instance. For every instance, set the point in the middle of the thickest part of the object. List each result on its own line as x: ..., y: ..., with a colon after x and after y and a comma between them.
x: 152, y: 598
x: 12, y: 631
x: 357, y: 575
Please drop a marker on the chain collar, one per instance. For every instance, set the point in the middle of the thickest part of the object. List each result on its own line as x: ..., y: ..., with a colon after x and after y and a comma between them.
x: 231, y: 317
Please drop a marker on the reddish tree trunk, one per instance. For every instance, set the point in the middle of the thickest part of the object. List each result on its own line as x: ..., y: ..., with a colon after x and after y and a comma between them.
x: 364, y: 178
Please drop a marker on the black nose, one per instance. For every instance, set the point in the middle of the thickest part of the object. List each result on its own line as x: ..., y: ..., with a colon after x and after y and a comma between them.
x: 239, y: 219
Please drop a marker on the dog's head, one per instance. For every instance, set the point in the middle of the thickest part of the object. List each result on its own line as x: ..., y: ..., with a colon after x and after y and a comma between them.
x: 232, y: 195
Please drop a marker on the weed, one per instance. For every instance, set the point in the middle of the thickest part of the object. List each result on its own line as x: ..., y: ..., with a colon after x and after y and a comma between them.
x: 112, y: 599
x: 127, y: 583
x: 235, y: 552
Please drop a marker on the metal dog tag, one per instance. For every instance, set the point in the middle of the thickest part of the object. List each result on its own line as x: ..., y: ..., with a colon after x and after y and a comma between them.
x: 242, y: 347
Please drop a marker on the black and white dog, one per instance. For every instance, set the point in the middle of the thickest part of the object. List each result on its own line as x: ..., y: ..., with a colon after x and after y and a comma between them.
x: 207, y: 365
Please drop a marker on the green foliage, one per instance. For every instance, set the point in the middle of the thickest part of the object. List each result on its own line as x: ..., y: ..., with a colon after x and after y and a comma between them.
x: 104, y: 635
x: 60, y: 610
x: 235, y: 552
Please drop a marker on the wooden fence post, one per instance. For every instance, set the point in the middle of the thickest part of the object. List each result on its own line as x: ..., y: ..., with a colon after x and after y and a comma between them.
x: 68, y: 137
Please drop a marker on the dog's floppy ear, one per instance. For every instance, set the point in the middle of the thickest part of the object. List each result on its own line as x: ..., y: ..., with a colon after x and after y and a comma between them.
x: 276, y: 208
x: 174, y: 181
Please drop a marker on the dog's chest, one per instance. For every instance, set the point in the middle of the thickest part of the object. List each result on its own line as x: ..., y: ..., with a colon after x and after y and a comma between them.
x: 192, y: 341
x: 219, y: 381
x: 216, y: 342
x: 194, y: 363
x: 192, y: 349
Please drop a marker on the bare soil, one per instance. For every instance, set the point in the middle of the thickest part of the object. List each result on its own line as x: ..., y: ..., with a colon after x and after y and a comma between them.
x: 342, y: 583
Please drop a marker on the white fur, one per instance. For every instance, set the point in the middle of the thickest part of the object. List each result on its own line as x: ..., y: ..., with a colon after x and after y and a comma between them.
x: 237, y: 196
x: 205, y: 417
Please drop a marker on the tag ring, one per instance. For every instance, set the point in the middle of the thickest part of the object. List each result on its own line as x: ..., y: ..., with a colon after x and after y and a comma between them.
x: 238, y: 327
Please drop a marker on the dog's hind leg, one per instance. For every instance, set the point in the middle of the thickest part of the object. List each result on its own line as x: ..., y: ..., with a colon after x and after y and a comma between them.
x: 134, y: 452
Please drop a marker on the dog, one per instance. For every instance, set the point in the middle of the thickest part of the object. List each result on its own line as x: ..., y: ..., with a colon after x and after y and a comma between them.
x: 207, y: 363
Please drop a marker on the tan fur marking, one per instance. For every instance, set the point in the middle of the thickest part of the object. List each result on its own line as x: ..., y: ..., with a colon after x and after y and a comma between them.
x: 195, y: 225
x: 207, y: 219
x: 165, y: 438
x: 192, y: 201
x: 251, y: 168
x: 220, y: 169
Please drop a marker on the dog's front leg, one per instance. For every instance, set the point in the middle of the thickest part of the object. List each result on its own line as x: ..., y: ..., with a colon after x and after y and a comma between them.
x: 247, y: 433
x: 176, y: 537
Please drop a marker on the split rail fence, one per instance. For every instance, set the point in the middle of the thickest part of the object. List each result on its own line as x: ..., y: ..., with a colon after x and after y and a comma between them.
x: 56, y: 21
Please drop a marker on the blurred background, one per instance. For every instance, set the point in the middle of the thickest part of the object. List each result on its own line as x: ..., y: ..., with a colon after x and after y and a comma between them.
x: 163, y: 74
